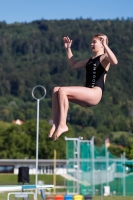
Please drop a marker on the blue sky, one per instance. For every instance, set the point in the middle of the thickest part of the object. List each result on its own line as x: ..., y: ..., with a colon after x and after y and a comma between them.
x: 29, y: 10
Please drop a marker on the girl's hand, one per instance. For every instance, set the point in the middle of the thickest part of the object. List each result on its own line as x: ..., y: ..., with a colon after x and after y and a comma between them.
x: 103, y: 40
x: 67, y: 42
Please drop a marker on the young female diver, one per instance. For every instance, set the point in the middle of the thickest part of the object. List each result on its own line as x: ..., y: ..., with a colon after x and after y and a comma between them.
x: 88, y: 95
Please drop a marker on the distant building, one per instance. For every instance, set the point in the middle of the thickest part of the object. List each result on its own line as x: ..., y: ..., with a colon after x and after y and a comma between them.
x: 18, y: 121
x: 107, y: 142
x: 45, y: 166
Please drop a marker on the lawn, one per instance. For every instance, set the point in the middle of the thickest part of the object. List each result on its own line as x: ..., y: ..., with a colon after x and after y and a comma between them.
x: 11, y: 179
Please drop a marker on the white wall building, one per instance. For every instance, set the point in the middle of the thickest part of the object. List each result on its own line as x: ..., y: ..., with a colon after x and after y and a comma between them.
x: 44, y: 166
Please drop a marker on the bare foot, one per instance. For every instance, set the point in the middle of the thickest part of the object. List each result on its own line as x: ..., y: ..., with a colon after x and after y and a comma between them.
x: 60, y: 130
x: 52, y: 130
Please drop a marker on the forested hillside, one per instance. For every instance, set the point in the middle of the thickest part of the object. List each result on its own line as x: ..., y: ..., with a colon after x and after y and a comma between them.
x: 33, y: 53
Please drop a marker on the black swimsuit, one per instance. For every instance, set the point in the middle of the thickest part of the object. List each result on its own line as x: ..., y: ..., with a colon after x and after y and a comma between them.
x: 95, y: 73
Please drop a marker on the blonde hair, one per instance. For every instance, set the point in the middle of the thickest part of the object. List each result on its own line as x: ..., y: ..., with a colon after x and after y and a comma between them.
x: 100, y: 34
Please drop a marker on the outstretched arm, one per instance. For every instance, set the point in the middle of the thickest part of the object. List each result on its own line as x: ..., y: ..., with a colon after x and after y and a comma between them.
x: 109, y: 55
x: 71, y: 59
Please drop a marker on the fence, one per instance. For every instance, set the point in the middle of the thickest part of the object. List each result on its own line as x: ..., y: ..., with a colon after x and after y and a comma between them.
x: 95, y: 171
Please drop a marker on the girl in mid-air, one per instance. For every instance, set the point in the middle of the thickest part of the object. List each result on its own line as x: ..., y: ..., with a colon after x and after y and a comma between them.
x: 89, y: 95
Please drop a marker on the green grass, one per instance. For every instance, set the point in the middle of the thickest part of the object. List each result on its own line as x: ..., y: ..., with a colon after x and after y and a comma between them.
x: 12, y: 179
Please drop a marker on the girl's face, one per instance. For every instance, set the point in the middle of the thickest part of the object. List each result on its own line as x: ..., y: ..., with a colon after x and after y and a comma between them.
x: 96, y: 45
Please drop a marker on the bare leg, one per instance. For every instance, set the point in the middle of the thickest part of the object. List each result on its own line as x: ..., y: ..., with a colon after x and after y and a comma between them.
x: 82, y: 95
x: 55, y: 111
x: 63, y: 107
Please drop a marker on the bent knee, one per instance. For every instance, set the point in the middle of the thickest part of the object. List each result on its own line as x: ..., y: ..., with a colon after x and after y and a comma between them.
x: 62, y: 90
x: 56, y: 89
